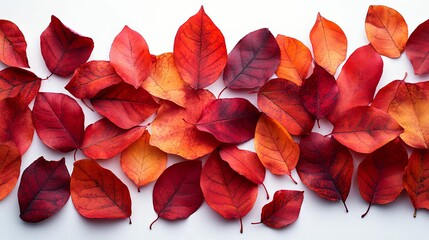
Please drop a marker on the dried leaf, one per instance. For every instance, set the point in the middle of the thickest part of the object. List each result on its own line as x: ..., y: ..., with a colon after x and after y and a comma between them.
x: 19, y: 83
x: 10, y: 165
x: 417, y: 48
x: 13, y: 47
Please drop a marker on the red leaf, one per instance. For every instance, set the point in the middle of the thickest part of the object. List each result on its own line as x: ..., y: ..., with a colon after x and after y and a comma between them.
x: 10, y: 164
x: 325, y: 167
x: 416, y: 179
x: 358, y: 80
x: 62, y: 49
x: 59, y: 121
x: 230, y: 120
x: 417, y: 48
x: 380, y: 174
x: 280, y: 99
x: 199, y: 51
x: 18, y: 83
x: 16, y: 124
x: 103, y: 140
x: 228, y: 193
x: 44, y: 189
x: 319, y: 93
x: 365, y: 129
x: 124, y: 105
x: 13, y: 46
x: 130, y: 57
x: 177, y: 192
x: 252, y: 61
x: 91, y: 77
x: 97, y: 193
x: 283, y: 210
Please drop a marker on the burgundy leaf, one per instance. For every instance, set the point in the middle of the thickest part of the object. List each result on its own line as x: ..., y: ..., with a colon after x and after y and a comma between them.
x: 417, y: 48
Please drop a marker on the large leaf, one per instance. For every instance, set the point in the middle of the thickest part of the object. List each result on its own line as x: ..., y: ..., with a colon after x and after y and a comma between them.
x: 199, y: 51
x: 10, y: 165
x: 13, y: 46
x: 417, y: 48
x: 252, y: 61
x: 19, y: 83
x: 44, y: 189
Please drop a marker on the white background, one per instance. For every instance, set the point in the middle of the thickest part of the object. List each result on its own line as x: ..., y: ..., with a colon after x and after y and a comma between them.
x: 158, y: 22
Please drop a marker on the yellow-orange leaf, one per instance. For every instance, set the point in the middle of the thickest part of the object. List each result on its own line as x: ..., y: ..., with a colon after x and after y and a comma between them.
x: 143, y: 163
x: 329, y: 44
x: 295, y: 59
x: 275, y: 147
x: 386, y: 30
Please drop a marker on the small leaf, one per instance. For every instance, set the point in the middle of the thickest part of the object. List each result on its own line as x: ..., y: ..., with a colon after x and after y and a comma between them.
x: 62, y: 49
x: 97, y: 193
x: 19, y: 83
x: 10, y: 164
x: 417, y: 48
x: 13, y: 47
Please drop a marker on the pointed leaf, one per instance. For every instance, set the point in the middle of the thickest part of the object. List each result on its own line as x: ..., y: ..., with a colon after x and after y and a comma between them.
x: 365, y: 129
x: 130, y: 57
x: 329, y: 44
x: 44, y: 189
x: 252, y: 61
x: 231, y: 120
x: 295, y: 59
x: 199, y: 51
x: 13, y: 47
x: 59, y: 121
x: 143, y: 163
x: 103, y: 140
x: 97, y: 193
x: 10, y: 165
x: 92, y: 77
x: 386, y: 30
x: 19, y: 83
x: 417, y: 48
x: 380, y: 174
x: 62, y: 49
x: 124, y: 105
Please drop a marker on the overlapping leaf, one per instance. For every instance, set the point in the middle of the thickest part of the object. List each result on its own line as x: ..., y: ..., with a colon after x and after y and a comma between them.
x: 10, y: 164
x: 18, y: 83
x: 417, y: 48
x: 13, y: 47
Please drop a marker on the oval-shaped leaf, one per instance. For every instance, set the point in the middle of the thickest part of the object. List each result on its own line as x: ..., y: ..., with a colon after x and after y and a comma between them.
x: 417, y: 48
x: 103, y: 139
x: 13, y: 47
x: 62, y: 49
x: 229, y: 120
x: 329, y: 44
x: 130, y: 57
x: 44, y: 189
x: 199, y: 51
x: 97, y: 193
x: 10, y: 166
x: 59, y: 121
x: 365, y: 129
x: 386, y: 30
x: 252, y: 61
x: 177, y: 193
x: 19, y: 83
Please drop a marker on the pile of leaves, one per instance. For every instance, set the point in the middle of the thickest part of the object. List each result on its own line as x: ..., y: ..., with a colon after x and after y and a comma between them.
x: 206, y: 131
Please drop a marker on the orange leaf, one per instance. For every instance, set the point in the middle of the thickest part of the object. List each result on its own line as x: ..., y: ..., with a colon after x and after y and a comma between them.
x: 275, y: 147
x: 10, y: 164
x: 295, y: 59
x: 329, y: 44
x: 143, y: 163
x: 386, y: 30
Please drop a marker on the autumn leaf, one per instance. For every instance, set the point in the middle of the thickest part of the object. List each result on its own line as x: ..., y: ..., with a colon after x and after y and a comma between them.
x: 283, y: 210
x: 62, y: 49
x: 417, y: 48
x: 59, y: 121
x: 97, y: 193
x: 103, y: 139
x: 10, y: 164
x: 143, y: 163
x: 280, y: 99
x: 386, y: 30
x: 365, y: 129
x: 225, y: 191
x: 275, y: 147
x: 44, y: 189
x: 229, y: 120
x: 295, y: 59
x: 380, y: 174
x: 325, y: 167
x: 252, y: 61
x: 124, y: 105
x: 13, y: 47
x: 199, y: 51
x: 92, y: 77
x: 177, y: 193
x: 130, y: 57
x: 329, y: 44
x: 19, y: 83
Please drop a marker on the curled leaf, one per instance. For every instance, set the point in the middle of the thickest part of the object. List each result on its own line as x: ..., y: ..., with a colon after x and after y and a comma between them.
x: 13, y: 46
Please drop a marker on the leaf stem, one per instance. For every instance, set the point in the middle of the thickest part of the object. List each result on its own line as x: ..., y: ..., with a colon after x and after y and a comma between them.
x: 363, y: 215
x: 415, y: 213
x: 256, y: 223
x: 218, y: 96
x: 318, y: 123
x: 241, y: 225
x: 290, y: 175
x: 344, y: 203
x: 46, y: 78
x: 130, y: 220
x: 90, y: 108
x: 266, y: 191
x: 150, y: 227
x: 74, y: 155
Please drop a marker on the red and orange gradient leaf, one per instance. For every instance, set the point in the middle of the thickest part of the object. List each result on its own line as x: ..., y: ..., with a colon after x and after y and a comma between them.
x: 10, y: 166
x: 13, y: 47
